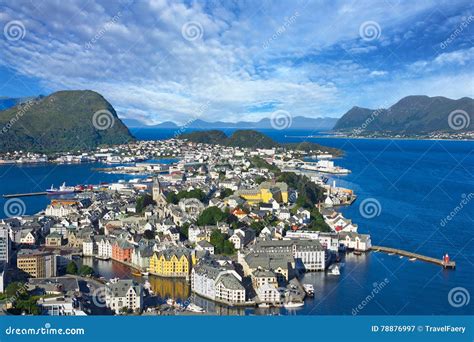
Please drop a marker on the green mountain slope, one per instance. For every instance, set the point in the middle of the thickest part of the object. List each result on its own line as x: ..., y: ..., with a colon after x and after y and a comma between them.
x: 62, y: 121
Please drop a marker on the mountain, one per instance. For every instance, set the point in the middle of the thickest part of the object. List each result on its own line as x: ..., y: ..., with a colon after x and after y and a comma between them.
x: 62, y: 121
x: 251, y: 139
x: 298, y: 122
x: 412, y: 114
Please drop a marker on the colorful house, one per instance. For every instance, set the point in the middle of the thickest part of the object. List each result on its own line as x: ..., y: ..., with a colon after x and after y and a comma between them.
x: 172, y: 262
x: 122, y: 250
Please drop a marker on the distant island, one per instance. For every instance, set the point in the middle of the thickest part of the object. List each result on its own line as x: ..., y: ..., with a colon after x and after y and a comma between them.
x: 62, y: 121
x: 252, y: 139
x: 297, y: 122
x: 412, y: 115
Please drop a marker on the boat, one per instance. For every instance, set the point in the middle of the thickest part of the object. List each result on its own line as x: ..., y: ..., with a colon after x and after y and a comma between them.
x: 412, y: 259
x: 357, y: 253
x: 145, y: 274
x: 291, y: 305
x: 195, y: 308
x: 334, y: 270
x: 309, y: 289
x: 63, y: 189
x: 391, y: 253
x: 401, y: 256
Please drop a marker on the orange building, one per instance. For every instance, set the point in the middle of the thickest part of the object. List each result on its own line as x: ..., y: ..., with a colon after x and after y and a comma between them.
x: 122, y: 250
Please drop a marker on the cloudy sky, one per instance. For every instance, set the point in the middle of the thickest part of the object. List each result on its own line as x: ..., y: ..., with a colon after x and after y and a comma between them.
x: 159, y: 60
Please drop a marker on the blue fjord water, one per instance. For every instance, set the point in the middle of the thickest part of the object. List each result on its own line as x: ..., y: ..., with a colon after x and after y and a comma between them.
x: 418, y: 183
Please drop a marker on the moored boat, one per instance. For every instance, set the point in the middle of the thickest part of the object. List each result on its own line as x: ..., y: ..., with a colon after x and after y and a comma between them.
x: 309, y: 289
x: 291, y: 305
x: 62, y: 190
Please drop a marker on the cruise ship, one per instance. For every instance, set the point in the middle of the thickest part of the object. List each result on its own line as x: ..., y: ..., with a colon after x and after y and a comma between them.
x: 63, y: 189
x: 325, y: 166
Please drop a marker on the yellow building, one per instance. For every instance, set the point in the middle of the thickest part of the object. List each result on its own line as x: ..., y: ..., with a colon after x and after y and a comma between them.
x: 36, y: 264
x: 172, y: 262
x: 265, y: 192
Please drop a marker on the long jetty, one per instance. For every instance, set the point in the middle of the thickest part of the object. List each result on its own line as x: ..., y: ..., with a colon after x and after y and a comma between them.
x: 440, y: 262
x: 25, y: 194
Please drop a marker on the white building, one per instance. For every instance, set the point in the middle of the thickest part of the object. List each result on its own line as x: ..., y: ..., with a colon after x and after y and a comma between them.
x: 104, y: 247
x: 5, y: 244
x: 268, y: 293
x: 88, y: 247
x: 124, y: 293
x: 217, y: 283
x: 358, y: 242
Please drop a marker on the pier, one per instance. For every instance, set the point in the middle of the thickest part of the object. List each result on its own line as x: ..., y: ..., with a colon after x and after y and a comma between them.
x: 28, y: 194
x: 440, y: 262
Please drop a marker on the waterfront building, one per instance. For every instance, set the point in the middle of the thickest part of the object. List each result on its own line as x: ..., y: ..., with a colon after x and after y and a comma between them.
x: 218, y: 283
x: 61, y: 208
x: 36, y: 263
x: 141, y: 256
x: 171, y: 262
x: 261, y: 277
x: 308, y: 254
x: 281, y: 264
x: 124, y: 293
x: 358, y: 242
x: 89, y: 247
x: 104, y: 247
x: 54, y: 240
x: 122, y: 250
x: 268, y: 293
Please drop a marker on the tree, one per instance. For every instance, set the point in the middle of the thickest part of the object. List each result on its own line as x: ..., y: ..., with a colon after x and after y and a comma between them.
x: 184, y: 230
x: 226, y: 193
x: 142, y: 202
x: 14, y: 289
x: 174, y: 198
x: 71, y: 268
x: 210, y: 216
x: 149, y: 234
x: 85, y: 270
x: 317, y: 222
x: 221, y: 244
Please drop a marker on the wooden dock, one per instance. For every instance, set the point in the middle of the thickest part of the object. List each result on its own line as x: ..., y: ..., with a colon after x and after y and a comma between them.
x: 25, y: 194
x: 440, y: 262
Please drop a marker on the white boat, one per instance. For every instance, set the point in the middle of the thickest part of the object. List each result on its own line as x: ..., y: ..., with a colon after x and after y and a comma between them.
x: 309, y: 289
x: 334, y: 270
x: 291, y: 305
x: 412, y: 259
x: 195, y: 308
x: 401, y: 256
x: 63, y: 189
x: 145, y: 274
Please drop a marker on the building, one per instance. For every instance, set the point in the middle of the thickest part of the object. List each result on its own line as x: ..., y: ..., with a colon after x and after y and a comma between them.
x: 89, y: 247
x: 172, y: 262
x: 281, y: 264
x: 205, y: 246
x: 356, y: 241
x: 36, y: 264
x: 104, y: 247
x: 268, y: 293
x: 54, y: 240
x: 124, y: 294
x: 122, y: 250
x: 266, y: 191
x: 60, y: 306
x: 309, y: 255
x: 242, y: 237
x: 218, y: 283
x: 61, y: 208
x: 5, y: 244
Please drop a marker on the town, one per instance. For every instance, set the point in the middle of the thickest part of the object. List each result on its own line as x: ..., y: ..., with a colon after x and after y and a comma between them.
x: 239, y: 225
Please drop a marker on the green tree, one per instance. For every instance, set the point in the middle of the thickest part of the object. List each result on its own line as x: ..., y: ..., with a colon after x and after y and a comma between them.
x: 210, y: 216
x: 226, y: 193
x: 221, y: 244
x: 71, y: 268
x: 184, y: 230
x: 85, y: 270
x: 149, y: 234
x: 142, y: 202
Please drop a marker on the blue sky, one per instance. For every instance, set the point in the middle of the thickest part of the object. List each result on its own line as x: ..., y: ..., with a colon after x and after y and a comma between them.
x: 158, y: 60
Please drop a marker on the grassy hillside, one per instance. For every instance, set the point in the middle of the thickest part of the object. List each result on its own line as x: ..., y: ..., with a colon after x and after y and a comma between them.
x: 62, y: 121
